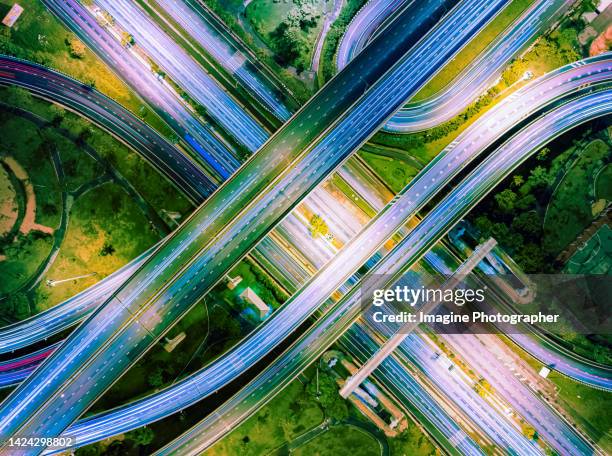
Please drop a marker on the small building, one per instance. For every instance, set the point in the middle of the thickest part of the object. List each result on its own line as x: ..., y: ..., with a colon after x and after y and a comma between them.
x: 589, y: 16
x: 233, y: 283
x: 544, y: 372
x: 172, y: 343
x: 260, y: 307
x: 12, y: 16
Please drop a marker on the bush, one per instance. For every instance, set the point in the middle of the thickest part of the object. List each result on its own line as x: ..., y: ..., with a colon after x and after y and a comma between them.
x: 77, y: 48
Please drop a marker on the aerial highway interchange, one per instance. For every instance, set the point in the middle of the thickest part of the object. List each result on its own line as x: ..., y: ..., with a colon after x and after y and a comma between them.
x: 252, y: 209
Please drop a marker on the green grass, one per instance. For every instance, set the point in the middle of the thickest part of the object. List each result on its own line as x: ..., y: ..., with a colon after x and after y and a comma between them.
x: 340, y: 440
x: 39, y: 36
x: 266, y: 15
x: 394, y: 172
x: 589, y: 407
x: 413, y: 441
x: 79, y: 168
x: 21, y: 140
x: 155, y: 188
x: 473, y: 48
x: 257, y: 280
x: 603, y: 183
x: 283, y: 419
x: 24, y: 256
x: 595, y: 257
x: 104, y: 215
x: 569, y: 210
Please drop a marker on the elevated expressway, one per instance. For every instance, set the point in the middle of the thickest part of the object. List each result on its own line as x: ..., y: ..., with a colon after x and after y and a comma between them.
x: 433, y: 226
x: 474, y: 80
x: 105, y: 113
x: 576, y: 369
x: 220, y: 45
x: 186, y: 72
x: 467, y: 147
x: 217, y: 156
x: 262, y: 191
x: 113, y: 118
x: 228, y: 52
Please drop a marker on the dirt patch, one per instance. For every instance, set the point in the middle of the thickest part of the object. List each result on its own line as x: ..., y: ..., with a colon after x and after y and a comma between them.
x: 29, y: 220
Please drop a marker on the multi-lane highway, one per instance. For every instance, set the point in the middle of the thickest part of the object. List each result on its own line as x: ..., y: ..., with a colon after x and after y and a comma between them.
x: 112, y: 117
x: 209, y: 149
x: 129, y: 322
x: 187, y: 73
x: 475, y: 79
x: 364, y: 26
x: 432, y: 227
x: 226, y: 51
x: 550, y: 88
x: 15, y: 370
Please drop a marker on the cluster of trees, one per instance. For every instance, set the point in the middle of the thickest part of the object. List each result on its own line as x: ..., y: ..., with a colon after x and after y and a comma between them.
x: 132, y: 443
x: 288, y: 40
x: 514, y: 216
x: 270, y: 289
x: 127, y: 40
x: 325, y: 393
x: 7, y: 47
x: 454, y: 124
x: 76, y: 48
x: 529, y: 431
x: 15, y: 307
x: 482, y: 387
x: 107, y: 249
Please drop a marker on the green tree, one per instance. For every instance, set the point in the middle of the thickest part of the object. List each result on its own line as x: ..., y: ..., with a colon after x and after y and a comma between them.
x: 156, y: 378
x: 324, y: 391
x: 141, y: 436
x: 517, y: 180
x: 543, y: 154
x: 16, y: 96
x: 531, y: 259
x: 337, y: 410
x: 318, y: 226
x: 127, y: 39
x: 76, y: 48
x: 17, y: 306
x: 89, y: 450
x: 506, y: 200
x: 538, y: 176
x: 528, y: 222
x: 528, y: 431
x: 117, y: 448
x: 107, y: 249
x: 57, y: 114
